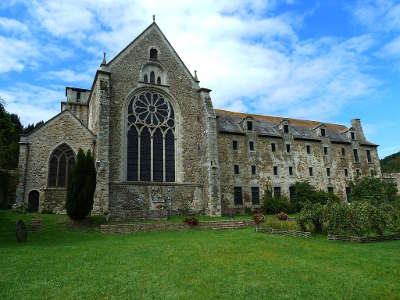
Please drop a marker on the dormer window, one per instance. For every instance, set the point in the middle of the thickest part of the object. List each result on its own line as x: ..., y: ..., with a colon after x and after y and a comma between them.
x: 153, y: 54
x: 323, y: 132
x: 353, y: 136
x: 250, y: 125
x: 78, y: 97
x: 286, y: 128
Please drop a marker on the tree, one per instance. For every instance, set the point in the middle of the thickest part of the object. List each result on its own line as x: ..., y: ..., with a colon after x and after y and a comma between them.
x: 374, y: 190
x: 81, y: 187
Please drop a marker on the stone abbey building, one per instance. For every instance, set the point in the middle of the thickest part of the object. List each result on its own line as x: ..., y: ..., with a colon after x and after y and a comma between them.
x: 159, y: 144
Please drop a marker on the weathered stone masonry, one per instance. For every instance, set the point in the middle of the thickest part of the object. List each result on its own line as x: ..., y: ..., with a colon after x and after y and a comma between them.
x: 201, y: 154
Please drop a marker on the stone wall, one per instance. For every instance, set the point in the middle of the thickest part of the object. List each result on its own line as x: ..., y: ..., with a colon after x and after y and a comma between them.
x: 126, y: 199
x: 145, y: 227
x: 35, y: 152
x: 298, y: 158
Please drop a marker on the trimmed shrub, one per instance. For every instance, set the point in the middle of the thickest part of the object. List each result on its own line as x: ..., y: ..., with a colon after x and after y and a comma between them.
x: 81, y: 187
x: 311, y: 213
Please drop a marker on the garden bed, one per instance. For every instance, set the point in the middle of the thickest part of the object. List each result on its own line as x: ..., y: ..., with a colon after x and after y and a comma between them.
x: 368, y: 239
x: 304, y: 234
x: 137, y: 227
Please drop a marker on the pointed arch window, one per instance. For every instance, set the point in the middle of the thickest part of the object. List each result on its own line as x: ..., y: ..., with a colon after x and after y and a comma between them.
x: 61, y: 163
x: 150, y: 138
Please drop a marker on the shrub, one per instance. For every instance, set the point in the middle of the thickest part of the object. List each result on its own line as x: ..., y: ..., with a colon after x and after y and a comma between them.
x: 374, y: 190
x: 192, y: 221
x: 274, y: 205
x: 282, y: 216
x: 81, y: 187
x: 311, y: 213
x: 304, y: 192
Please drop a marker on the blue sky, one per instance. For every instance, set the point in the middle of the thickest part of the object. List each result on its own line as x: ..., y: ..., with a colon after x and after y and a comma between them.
x: 325, y: 60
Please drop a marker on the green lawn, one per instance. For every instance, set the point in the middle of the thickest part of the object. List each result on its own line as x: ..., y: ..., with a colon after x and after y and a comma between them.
x: 62, y: 263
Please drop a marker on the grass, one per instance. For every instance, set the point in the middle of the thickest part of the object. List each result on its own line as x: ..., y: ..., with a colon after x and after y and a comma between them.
x: 62, y: 263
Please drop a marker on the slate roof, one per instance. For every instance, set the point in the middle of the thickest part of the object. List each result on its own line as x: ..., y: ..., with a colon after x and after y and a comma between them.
x: 231, y: 122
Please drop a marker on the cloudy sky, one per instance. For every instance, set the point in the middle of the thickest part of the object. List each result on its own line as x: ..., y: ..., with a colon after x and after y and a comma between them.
x: 327, y: 60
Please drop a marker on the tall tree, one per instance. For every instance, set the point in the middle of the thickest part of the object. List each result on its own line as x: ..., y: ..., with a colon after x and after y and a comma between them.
x: 81, y: 187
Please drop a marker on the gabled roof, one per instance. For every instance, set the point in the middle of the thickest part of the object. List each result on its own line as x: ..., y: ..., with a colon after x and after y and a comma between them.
x: 53, y: 119
x: 146, y: 31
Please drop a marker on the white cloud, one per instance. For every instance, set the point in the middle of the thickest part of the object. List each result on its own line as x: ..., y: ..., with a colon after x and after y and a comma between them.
x: 249, y: 55
x: 32, y: 103
x: 12, y: 25
x: 15, y: 54
x: 391, y: 49
x: 70, y: 76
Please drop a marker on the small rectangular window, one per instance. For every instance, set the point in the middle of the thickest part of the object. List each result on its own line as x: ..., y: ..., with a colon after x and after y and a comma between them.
x: 323, y: 133
x: 78, y: 97
x: 290, y: 171
x: 288, y: 148
x: 358, y: 172
x: 369, y: 156
x: 249, y: 125
x: 251, y: 145
x: 328, y: 172
x: 286, y: 128
x: 277, y: 192
x: 253, y: 170
x: 348, y: 192
x: 325, y: 150
x: 343, y: 152
x: 346, y: 173
x: 273, y: 147
x: 356, y: 159
x: 291, y: 192
x: 275, y: 170
x: 235, y: 145
x: 237, y: 195
x: 236, y: 169
x: 353, y: 136
x: 255, y: 195
x: 330, y: 190
x: 310, y: 171
x: 308, y: 147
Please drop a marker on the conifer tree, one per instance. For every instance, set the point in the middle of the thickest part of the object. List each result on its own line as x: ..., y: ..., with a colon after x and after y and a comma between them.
x: 81, y: 187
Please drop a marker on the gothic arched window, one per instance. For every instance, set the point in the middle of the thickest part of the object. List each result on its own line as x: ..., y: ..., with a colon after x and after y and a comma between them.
x: 150, y: 138
x: 61, y: 162
x: 152, y: 77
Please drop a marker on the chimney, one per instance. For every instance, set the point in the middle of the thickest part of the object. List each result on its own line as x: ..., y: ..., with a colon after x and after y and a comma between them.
x: 356, y: 124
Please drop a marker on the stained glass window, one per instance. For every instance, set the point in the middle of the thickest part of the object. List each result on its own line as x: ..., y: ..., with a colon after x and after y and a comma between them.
x: 151, y: 138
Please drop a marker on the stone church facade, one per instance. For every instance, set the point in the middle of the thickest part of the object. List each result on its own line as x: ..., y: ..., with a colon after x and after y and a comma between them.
x: 160, y: 146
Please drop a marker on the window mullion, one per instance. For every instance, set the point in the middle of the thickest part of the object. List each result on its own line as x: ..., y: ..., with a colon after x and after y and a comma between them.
x: 151, y: 156
x: 138, y: 169
x: 163, y: 140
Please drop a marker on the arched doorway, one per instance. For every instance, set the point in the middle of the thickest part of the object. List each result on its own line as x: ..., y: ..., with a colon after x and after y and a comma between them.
x: 33, y: 201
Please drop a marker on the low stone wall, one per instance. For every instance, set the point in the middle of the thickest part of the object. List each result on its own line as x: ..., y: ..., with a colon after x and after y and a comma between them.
x: 305, y: 234
x: 357, y: 239
x: 125, y: 228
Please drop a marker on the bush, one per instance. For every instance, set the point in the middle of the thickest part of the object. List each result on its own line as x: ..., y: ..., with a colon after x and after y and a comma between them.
x: 81, y: 187
x: 274, y: 205
x: 374, y: 190
x: 282, y: 216
x: 304, y: 192
x: 192, y: 221
x: 281, y: 225
x: 311, y: 213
